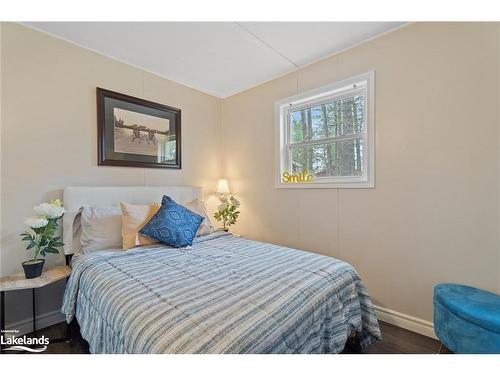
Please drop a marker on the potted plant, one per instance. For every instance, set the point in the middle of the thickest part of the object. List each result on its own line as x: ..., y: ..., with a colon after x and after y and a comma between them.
x: 227, y: 212
x: 43, y: 240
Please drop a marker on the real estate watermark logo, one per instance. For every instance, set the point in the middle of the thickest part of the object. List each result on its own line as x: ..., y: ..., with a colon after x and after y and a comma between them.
x: 11, y: 342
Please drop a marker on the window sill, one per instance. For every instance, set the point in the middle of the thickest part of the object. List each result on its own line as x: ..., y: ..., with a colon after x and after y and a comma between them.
x: 326, y: 185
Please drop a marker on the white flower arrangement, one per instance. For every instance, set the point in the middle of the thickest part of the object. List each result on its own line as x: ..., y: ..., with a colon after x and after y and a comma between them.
x: 227, y: 211
x: 36, y: 222
x: 50, y: 210
x: 44, y: 226
x: 222, y: 206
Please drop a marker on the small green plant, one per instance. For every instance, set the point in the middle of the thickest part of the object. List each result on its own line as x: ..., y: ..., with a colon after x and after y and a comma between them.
x: 44, y: 226
x: 228, y: 211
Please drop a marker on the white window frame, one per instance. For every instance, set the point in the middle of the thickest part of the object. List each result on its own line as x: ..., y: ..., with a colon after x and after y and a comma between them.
x: 316, y: 96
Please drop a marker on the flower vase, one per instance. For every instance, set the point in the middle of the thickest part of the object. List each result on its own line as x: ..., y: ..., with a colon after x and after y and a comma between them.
x: 33, y: 268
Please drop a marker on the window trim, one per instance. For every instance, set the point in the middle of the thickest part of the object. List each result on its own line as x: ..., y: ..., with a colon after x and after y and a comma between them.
x: 325, y: 93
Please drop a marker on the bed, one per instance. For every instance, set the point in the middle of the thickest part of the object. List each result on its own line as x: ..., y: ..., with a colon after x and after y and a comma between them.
x: 224, y: 294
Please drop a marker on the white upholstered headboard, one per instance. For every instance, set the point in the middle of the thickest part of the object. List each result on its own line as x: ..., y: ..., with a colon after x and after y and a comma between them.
x: 105, y: 196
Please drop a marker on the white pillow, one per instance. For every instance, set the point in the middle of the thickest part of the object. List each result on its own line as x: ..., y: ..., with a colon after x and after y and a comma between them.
x: 101, y: 228
x: 200, y: 208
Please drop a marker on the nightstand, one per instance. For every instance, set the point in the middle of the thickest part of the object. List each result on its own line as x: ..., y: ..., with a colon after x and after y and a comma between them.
x: 228, y: 231
x: 19, y: 282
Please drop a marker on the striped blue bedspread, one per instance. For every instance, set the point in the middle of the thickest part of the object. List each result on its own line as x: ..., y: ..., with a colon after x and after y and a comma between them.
x: 225, y: 294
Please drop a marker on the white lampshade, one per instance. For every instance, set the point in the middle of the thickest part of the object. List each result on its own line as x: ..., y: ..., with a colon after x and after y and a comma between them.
x: 222, y: 187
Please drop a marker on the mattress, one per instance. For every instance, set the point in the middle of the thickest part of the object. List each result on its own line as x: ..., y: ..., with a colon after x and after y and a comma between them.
x: 224, y: 294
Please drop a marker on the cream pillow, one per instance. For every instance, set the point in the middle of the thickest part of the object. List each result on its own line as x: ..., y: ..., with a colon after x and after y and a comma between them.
x: 134, y: 217
x: 200, y: 208
x: 101, y: 228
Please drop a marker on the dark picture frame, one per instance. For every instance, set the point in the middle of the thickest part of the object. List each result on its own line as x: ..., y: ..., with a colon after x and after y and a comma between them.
x: 133, y: 132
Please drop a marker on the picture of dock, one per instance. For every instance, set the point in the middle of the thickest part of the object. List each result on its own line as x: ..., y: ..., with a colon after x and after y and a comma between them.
x: 138, y: 133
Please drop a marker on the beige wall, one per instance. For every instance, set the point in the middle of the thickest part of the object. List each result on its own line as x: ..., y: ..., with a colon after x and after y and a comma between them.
x: 434, y: 214
x: 49, y: 136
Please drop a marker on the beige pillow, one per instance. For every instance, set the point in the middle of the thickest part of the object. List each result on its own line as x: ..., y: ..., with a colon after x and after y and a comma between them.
x: 101, y: 228
x: 134, y: 217
x: 200, y: 208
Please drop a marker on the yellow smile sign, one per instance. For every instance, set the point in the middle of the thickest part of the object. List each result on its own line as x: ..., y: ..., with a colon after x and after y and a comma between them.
x: 302, y: 177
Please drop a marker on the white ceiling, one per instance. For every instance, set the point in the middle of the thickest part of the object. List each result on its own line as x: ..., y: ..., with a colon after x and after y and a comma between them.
x: 219, y: 58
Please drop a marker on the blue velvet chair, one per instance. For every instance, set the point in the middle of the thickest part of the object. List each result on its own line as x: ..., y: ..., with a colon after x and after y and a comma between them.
x: 467, y: 319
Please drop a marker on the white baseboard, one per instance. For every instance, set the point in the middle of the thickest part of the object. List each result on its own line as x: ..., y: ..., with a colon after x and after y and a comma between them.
x: 42, y: 321
x: 396, y: 318
x: 405, y: 321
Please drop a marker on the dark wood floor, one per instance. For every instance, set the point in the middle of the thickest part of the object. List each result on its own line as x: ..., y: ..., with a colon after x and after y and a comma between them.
x: 395, y: 341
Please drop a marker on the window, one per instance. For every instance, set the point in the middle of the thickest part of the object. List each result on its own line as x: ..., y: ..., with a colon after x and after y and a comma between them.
x: 329, y: 133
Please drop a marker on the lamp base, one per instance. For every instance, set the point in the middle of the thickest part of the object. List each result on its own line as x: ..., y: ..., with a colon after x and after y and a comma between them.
x: 223, y: 197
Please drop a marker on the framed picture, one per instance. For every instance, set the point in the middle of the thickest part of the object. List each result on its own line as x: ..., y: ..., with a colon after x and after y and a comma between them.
x: 133, y: 132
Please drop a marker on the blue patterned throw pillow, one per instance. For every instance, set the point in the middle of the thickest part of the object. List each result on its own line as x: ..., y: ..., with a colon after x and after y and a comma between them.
x: 173, y: 224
